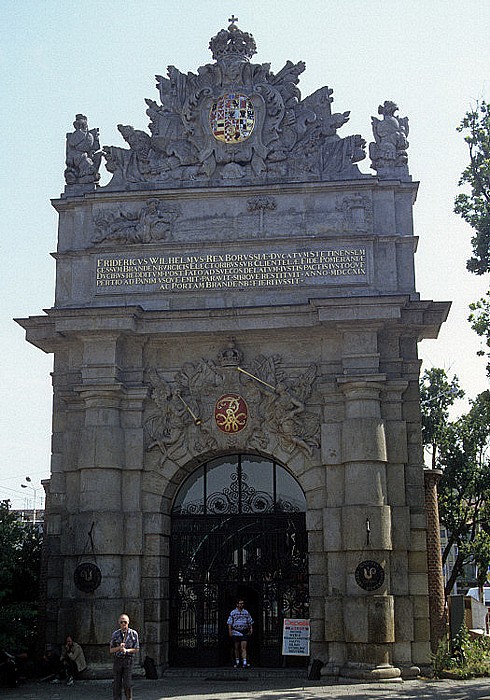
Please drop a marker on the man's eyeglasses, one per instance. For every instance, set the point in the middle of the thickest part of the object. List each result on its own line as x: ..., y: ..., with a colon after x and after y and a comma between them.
x: 123, y: 622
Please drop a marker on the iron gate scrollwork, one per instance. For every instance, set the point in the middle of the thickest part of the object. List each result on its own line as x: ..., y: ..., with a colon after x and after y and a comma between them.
x: 236, y: 541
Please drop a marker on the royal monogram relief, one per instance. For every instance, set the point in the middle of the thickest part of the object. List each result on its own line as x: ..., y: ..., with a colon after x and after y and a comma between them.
x: 220, y: 405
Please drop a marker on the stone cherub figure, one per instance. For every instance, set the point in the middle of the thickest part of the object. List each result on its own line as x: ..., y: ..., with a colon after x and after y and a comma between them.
x: 83, y: 154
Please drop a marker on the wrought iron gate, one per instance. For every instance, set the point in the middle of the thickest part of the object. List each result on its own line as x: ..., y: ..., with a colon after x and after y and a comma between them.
x: 256, y: 552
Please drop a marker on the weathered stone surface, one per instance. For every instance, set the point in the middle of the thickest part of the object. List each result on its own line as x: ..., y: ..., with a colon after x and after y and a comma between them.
x: 365, y: 482
x: 360, y: 521
x: 363, y: 438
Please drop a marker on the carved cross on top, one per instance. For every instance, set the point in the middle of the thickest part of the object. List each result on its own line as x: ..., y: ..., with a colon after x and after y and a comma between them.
x: 232, y: 20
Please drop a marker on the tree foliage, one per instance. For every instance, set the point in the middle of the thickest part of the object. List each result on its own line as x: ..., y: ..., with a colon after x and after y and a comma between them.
x: 464, y: 490
x: 437, y: 395
x: 20, y: 557
x: 475, y: 207
x: 480, y: 322
x: 461, y: 449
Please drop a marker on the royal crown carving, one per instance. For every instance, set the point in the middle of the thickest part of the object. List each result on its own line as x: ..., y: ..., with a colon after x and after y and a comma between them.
x: 233, y: 43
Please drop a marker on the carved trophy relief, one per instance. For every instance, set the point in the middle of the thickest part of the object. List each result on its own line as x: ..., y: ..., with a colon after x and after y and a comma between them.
x: 211, y: 405
x: 152, y: 223
x: 284, y: 405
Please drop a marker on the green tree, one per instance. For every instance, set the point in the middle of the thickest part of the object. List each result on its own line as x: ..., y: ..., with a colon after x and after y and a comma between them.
x: 20, y: 557
x: 474, y: 207
x: 437, y: 394
x: 464, y: 490
x: 480, y: 322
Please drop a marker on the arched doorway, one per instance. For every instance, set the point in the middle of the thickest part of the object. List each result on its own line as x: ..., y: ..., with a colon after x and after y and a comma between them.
x: 238, y: 530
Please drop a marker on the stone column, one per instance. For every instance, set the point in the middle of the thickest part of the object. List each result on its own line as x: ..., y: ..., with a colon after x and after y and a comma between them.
x: 437, y: 601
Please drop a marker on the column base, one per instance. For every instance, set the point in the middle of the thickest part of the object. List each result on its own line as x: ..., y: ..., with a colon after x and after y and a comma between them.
x: 385, y: 673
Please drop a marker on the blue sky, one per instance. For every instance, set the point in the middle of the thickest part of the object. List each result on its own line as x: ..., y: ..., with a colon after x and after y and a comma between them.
x: 60, y: 58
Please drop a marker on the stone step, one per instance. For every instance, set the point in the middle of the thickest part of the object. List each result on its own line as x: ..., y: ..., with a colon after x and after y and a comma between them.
x: 240, y: 674
x: 104, y: 671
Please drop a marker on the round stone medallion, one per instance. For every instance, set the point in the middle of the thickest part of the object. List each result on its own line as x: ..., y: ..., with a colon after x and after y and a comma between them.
x: 370, y: 575
x: 87, y: 577
x: 232, y: 118
x: 231, y: 413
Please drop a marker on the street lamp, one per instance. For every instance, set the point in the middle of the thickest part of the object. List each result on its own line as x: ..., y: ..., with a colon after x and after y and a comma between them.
x: 34, y: 491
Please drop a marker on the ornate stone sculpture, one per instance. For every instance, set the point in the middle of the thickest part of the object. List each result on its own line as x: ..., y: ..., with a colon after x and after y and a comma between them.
x: 83, y: 154
x: 389, y: 149
x: 271, y: 415
x: 235, y: 121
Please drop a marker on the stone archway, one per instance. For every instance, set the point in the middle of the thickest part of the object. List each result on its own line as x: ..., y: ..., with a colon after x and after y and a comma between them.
x: 238, y: 530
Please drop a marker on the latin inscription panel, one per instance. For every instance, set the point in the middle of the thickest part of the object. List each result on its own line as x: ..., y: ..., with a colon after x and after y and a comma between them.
x: 177, y: 273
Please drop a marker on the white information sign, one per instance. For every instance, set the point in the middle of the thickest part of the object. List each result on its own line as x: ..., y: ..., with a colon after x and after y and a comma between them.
x: 296, y: 637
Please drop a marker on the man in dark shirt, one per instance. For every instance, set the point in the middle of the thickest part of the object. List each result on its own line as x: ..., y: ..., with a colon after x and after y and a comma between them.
x: 124, y: 646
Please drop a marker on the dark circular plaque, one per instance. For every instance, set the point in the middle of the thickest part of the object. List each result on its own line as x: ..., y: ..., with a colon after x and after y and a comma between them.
x: 87, y: 577
x: 370, y: 575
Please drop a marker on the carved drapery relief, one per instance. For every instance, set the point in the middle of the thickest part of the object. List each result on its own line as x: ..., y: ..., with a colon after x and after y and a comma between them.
x: 235, y: 120
x: 185, y: 419
x: 150, y: 224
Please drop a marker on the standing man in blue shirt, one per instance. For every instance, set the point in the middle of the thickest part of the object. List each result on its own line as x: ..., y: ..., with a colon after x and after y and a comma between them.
x: 240, y: 628
x: 124, y: 646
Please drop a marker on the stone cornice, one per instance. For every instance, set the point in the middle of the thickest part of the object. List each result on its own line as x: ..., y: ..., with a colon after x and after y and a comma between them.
x: 60, y: 325
x: 66, y: 203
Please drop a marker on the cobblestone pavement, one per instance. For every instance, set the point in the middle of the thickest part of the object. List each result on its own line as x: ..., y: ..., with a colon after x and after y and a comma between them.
x: 245, y: 688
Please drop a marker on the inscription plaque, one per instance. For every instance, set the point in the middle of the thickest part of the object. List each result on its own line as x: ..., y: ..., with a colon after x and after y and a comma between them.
x: 231, y: 270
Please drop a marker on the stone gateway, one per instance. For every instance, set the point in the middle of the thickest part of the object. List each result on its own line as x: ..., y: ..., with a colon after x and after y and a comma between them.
x: 236, y: 407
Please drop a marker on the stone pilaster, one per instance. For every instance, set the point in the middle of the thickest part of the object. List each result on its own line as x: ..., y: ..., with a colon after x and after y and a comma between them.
x: 368, y: 616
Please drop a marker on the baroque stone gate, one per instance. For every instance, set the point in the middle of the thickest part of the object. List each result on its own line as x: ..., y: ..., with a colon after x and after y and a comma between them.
x: 240, y: 290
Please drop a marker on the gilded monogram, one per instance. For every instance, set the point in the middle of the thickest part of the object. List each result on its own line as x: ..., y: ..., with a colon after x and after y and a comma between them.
x: 231, y: 413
